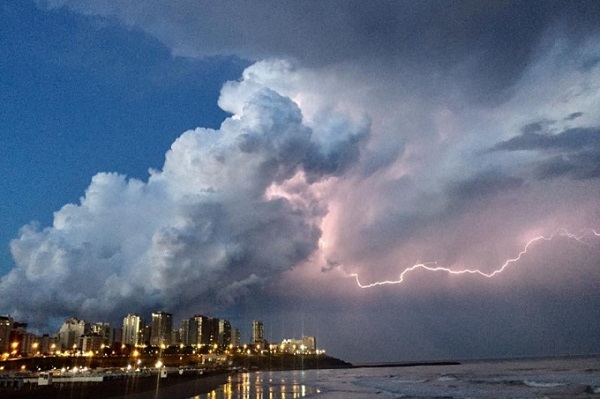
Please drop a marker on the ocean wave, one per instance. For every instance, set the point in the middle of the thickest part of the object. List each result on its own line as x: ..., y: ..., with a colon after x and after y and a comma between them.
x: 535, y: 384
x: 447, y: 378
x: 591, y: 389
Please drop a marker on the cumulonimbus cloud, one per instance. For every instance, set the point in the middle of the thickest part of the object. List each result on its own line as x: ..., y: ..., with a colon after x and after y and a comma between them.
x: 199, y: 232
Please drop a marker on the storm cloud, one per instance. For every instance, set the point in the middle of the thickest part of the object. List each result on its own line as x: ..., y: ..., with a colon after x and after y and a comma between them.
x: 199, y: 232
x: 573, y: 152
x: 486, y: 48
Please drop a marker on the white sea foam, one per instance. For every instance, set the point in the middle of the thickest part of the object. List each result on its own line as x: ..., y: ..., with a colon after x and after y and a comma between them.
x: 446, y: 378
x: 536, y: 384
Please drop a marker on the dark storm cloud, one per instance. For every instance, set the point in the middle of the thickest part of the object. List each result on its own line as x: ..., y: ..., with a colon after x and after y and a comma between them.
x: 461, y: 194
x: 341, y: 152
x: 569, y: 140
x: 553, y: 167
x: 574, y: 152
x: 573, y: 116
x: 485, y: 45
x: 583, y: 165
x: 458, y: 198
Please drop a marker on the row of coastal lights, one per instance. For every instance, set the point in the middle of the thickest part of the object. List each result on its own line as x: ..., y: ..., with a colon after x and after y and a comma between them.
x: 34, y: 346
x: 15, y: 345
x: 273, y: 348
x: 53, y: 351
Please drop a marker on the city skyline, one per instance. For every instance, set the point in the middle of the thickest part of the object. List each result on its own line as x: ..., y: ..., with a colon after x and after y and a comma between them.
x: 407, y: 180
x: 79, y: 337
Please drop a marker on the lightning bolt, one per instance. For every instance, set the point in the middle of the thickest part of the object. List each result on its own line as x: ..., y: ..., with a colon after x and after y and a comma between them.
x: 432, y: 266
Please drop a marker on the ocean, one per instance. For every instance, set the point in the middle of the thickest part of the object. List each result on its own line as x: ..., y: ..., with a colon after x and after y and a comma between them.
x: 567, y: 377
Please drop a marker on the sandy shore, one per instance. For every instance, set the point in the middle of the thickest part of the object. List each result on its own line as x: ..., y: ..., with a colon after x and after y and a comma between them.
x: 173, y: 387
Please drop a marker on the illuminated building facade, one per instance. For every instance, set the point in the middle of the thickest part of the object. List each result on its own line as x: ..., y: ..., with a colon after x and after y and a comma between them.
x: 48, y: 344
x: 105, y: 331
x: 162, y: 327
x: 6, y: 323
x: 133, y: 326
x: 204, y: 329
x: 91, y: 343
x: 17, y: 337
x: 306, y: 345
x: 188, y: 333
x: 235, y: 337
x: 71, y: 332
x: 224, y: 334
x: 258, y: 332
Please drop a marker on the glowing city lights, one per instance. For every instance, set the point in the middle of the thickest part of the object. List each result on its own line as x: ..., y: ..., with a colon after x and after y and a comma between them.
x: 432, y: 266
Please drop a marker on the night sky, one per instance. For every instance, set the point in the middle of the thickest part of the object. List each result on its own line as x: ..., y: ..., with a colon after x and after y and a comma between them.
x: 260, y: 159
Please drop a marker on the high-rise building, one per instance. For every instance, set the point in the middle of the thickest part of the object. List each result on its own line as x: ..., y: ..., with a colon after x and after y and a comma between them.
x: 105, y: 331
x: 224, y: 334
x: 258, y: 332
x: 133, y: 326
x: 188, y: 332
x: 71, y: 332
x: 203, y: 329
x: 235, y: 337
x: 213, y: 325
x: 162, y: 326
x: 6, y: 323
x: 146, y: 334
x: 175, y: 337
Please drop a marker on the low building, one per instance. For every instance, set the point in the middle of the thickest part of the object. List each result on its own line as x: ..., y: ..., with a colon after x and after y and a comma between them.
x: 307, y: 345
x: 92, y: 343
x: 47, y: 344
x: 213, y: 358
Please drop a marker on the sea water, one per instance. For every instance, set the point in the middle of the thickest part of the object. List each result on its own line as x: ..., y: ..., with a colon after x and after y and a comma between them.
x: 539, y: 378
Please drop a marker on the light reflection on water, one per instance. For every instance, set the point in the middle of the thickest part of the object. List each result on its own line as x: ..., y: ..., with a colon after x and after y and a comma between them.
x: 261, y: 385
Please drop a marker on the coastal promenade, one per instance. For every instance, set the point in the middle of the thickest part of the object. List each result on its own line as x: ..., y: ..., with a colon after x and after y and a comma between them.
x: 138, y: 378
x: 132, y: 386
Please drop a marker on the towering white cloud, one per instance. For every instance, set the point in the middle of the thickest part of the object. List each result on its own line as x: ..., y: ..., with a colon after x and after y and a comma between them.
x: 201, y: 231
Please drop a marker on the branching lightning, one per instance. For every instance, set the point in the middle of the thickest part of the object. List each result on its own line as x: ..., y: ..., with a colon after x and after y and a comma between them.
x: 432, y: 266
